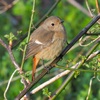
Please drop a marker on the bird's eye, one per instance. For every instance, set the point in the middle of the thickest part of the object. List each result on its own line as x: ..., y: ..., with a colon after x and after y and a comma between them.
x: 52, y: 24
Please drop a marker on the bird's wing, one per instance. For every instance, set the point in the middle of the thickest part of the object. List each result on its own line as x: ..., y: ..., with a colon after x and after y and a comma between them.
x: 38, y: 41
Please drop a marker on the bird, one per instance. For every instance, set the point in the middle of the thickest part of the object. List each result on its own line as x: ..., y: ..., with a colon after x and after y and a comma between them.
x: 46, y: 42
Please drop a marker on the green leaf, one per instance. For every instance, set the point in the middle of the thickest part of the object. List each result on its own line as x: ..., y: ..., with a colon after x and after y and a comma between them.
x: 19, y: 32
x: 46, y: 92
x: 76, y: 74
x: 10, y: 37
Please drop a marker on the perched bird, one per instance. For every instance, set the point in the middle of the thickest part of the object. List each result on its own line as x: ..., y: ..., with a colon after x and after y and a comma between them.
x: 46, y: 42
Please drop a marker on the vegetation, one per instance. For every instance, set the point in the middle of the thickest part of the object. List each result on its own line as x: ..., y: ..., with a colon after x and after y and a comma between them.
x: 20, y: 17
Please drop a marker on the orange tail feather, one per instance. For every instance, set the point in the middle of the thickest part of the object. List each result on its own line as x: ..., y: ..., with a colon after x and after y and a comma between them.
x: 36, y: 61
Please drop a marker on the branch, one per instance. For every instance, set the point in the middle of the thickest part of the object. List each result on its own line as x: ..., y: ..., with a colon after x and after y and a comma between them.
x: 11, y: 55
x: 8, y: 48
x: 26, y: 73
x: 5, y: 6
x: 53, y: 79
x: 77, y: 5
x: 29, y: 32
x: 97, y: 6
x: 93, y: 41
x: 67, y: 71
x: 45, y: 71
x: 90, y: 13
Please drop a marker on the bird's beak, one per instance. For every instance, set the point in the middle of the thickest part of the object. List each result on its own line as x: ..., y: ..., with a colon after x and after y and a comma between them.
x: 61, y: 21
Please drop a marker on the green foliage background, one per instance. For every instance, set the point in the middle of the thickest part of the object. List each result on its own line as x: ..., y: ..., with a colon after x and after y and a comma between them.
x: 17, y: 19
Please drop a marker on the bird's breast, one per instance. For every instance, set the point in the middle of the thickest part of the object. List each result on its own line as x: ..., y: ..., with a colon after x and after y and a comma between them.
x: 52, y: 50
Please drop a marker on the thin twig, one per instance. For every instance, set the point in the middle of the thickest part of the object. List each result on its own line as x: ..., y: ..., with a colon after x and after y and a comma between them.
x: 93, y: 55
x: 29, y: 32
x: 91, y: 15
x: 45, y: 71
x: 27, y: 96
x: 84, y: 45
x: 7, y: 6
x: 8, y: 85
x: 77, y: 5
x: 11, y: 55
x: 97, y: 6
x: 53, y: 79
x: 48, y: 13
x: 90, y: 85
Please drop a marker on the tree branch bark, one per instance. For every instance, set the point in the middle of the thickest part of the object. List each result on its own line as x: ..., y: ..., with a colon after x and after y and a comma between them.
x: 11, y: 55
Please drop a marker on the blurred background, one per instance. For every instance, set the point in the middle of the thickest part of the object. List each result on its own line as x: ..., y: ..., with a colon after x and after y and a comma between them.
x: 15, y: 17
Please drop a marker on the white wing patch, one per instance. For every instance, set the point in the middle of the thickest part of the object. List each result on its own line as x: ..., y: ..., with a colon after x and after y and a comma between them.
x: 38, y: 42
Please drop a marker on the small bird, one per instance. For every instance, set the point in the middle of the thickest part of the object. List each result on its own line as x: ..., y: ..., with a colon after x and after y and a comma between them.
x: 46, y: 42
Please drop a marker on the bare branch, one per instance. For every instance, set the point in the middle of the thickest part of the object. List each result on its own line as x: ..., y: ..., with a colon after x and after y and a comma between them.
x: 77, y: 5
x: 5, y: 6
x: 11, y: 55
x: 93, y: 55
x: 53, y: 79
x: 97, y: 6
x: 90, y: 85
x: 91, y: 15
x: 93, y: 41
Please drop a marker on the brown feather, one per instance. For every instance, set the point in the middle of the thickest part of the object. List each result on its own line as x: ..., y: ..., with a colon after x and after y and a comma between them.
x: 46, y: 38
